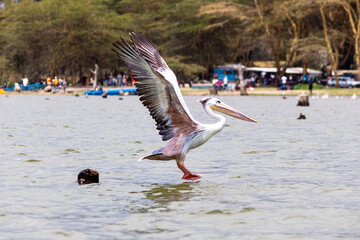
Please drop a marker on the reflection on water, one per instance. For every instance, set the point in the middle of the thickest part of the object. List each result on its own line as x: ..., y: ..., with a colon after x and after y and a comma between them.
x: 161, y: 195
x: 166, y: 193
x: 228, y: 211
x: 260, y: 151
x: 279, y: 179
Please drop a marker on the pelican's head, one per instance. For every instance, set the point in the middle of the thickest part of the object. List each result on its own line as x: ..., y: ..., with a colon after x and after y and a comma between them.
x: 216, y: 105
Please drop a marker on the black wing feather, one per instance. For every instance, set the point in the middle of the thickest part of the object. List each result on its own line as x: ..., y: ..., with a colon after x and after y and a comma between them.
x: 160, y: 95
x: 149, y: 87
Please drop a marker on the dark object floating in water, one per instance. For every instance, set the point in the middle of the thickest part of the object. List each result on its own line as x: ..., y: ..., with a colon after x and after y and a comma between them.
x: 88, y: 176
x: 76, y: 95
x: 302, y: 116
x: 120, y: 98
x: 104, y: 95
x: 303, y: 100
x: 47, y: 98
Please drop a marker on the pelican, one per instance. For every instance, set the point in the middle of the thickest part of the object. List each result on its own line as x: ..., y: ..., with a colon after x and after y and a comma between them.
x: 159, y: 92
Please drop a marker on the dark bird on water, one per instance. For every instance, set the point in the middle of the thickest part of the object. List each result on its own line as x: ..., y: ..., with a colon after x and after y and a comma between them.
x: 88, y: 176
x: 159, y: 92
x: 302, y: 116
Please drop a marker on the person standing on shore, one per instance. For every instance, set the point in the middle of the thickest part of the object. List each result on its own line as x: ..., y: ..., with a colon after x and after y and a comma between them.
x: 119, y: 79
x: 225, y: 82
x: 25, y: 83
x: 283, y: 82
x: 310, y: 87
x: 64, y: 85
x: 124, y: 80
x: 56, y: 82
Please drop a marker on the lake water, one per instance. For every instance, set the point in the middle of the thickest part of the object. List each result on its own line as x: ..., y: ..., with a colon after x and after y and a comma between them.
x: 282, y: 178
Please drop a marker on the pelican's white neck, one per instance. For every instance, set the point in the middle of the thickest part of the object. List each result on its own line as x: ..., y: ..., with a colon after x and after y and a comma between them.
x: 222, y: 120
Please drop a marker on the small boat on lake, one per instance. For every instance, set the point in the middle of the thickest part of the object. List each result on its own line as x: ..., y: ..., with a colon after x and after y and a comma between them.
x: 30, y: 87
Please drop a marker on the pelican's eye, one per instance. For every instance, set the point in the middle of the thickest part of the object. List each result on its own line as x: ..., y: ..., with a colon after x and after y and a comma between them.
x: 218, y: 102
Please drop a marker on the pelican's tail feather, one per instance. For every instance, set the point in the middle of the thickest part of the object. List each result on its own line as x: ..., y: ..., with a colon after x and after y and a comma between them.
x: 156, y: 155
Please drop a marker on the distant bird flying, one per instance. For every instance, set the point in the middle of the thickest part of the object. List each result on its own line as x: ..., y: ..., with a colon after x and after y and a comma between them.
x: 159, y: 92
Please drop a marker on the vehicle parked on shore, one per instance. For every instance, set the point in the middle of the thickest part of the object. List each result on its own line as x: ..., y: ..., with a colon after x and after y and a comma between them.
x: 344, y: 82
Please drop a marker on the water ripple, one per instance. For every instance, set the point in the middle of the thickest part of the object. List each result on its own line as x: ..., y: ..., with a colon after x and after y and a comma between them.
x: 279, y: 179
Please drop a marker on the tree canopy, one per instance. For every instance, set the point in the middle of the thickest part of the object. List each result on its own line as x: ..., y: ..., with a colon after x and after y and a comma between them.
x: 51, y: 37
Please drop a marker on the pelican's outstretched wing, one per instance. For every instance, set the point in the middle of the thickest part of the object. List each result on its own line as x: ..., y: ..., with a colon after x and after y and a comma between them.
x: 157, y: 87
x: 147, y: 51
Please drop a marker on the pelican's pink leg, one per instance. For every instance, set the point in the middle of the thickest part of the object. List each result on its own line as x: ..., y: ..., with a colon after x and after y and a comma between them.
x: 188, y: 175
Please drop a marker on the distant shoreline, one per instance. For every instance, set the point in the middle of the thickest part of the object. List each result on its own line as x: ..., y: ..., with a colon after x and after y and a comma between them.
x: 259, y: 91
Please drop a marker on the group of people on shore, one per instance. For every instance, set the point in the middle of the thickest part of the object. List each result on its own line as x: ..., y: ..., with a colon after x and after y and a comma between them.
x: 24, y: 82
x: 56, y: 83
x: 220, y: 85
x: 263, y: 79
x: 118, y: 80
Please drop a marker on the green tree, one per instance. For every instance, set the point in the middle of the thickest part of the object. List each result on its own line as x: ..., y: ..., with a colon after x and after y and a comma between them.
x: 283, y: 23
x: 228, y: 30
x: 338, y: 32
x: 69, y: 37
x: 352, y: 9
x: 174, y: 28
x: 58, y: 37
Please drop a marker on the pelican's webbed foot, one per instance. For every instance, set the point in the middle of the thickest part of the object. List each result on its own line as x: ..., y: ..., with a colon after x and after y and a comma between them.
x: 188, y: 175
x: 192, y: 176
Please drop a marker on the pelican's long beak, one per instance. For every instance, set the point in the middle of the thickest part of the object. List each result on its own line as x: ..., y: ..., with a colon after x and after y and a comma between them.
x: 223, y: 108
